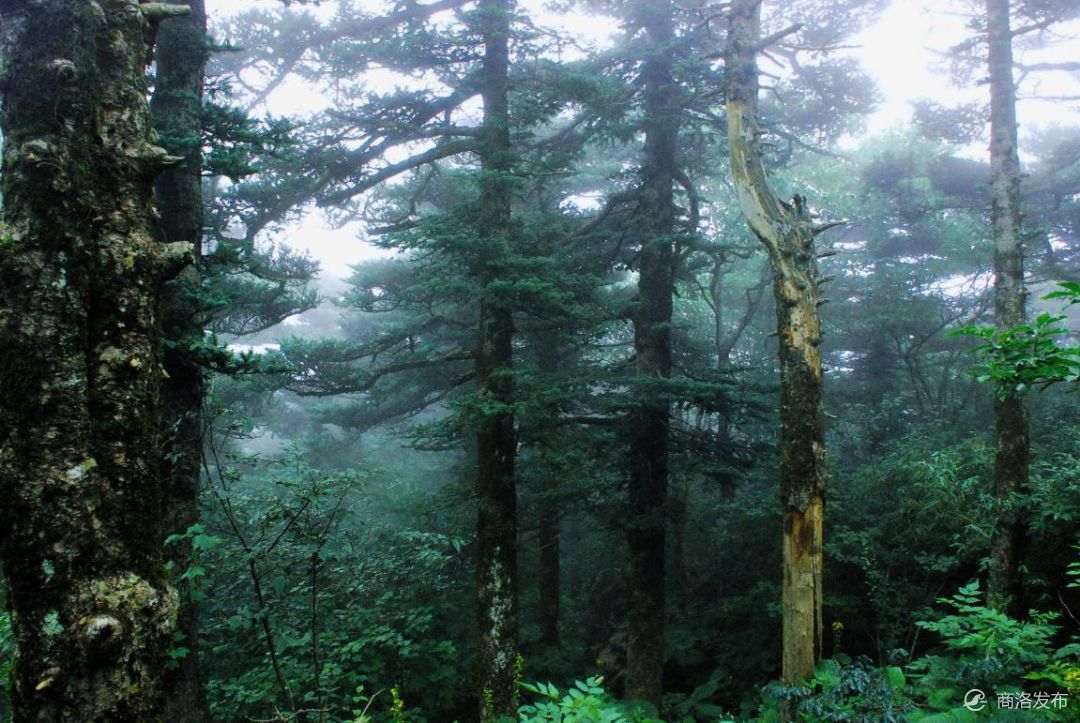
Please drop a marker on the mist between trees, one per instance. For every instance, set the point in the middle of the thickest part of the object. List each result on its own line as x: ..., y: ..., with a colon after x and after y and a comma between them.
x: 665, y: 392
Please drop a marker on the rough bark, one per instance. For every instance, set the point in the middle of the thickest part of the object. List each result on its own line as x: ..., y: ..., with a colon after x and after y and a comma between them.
x: 80, y: 275
x: 496, y: 438
x: 787, y: 233
x: 181, y: 53
x: 649, y: 423
x: 1013, y: 446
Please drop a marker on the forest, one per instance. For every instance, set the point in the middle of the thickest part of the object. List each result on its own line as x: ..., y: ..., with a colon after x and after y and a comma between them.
x: 627, y: 361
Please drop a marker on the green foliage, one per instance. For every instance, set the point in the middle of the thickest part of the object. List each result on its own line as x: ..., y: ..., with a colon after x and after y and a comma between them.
x: 198, y: 543
x: 991, y: 651
x: 7, y: 657
x: 585, y: 701
x: 843, y: 689
x: 992, y: 648
x: 348, y: 603
x: 1053, y: 501
x: 906, y: 524
x: 696, y: 705
x: 236, y: 143
x: 1028, y: 355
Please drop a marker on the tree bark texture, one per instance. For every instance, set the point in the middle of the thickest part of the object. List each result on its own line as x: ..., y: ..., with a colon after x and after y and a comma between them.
x: 496, y: 438
x: 80, y: 363
x: 181, y: 54
x: 1013, y: 447
x: 787, y: 233
x: 649, y: 422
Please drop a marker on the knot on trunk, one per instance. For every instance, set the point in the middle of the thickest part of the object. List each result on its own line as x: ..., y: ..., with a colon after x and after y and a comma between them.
x: 39, y: 151
x: 102, y: 635
x: 64, y: 70
x: 173, y: 258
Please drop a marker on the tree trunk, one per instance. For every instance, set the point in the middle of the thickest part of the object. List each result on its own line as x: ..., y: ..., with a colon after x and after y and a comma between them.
x: 1013, y: 447
x: 181, y: 54
x: 496, y: 438
x: 649, y: 419
x: 80, y: 277
x: 788, y: 235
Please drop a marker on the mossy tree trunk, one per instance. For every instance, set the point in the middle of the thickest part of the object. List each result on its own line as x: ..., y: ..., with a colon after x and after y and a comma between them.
x: 788, y: 234
x: 80, y: 362
x: 497, y: 594
x: 181, y: 54
x: 649, y: 421
x: 1013, y: 446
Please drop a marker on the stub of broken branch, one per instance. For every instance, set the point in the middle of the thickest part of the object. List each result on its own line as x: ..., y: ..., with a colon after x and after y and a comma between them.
x: 822, y: 228
x: 173, y: 258
x: 156, y: 12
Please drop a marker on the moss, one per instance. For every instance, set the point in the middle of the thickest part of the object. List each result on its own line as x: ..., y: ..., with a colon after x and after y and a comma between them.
x: 52, y: 627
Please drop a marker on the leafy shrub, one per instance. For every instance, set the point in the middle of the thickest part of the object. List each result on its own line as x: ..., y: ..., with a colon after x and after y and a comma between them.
x: 991, y: 651
x: 585, y: 702
x: 371, y: 607
x: 843, y: 689
x: 698, y: 705
x: 1028, y: 355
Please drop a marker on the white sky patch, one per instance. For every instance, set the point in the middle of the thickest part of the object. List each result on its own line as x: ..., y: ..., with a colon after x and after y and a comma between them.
x: 586, y: 201
x: 961, y: 285
x: 899, y: 53
x: 337, y: 248
x: 253, y: 348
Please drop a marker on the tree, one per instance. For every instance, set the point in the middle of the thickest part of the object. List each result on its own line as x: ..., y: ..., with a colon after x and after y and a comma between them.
x: 1013, y: 457
x: 649, y: 423
x: 496, y: 439
x: 1001, y: 28
x: 176, y: 109
x: 473, y: 59
x: 787, y: 232
x: 81, y: 275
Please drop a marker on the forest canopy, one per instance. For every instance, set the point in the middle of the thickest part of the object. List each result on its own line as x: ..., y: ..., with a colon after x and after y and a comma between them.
x: 539, y: 360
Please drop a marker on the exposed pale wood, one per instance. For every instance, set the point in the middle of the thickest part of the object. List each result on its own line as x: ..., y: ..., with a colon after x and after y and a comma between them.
x: 787, y: 233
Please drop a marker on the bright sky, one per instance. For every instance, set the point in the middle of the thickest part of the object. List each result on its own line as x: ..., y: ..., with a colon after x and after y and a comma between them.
x: 898, y: 51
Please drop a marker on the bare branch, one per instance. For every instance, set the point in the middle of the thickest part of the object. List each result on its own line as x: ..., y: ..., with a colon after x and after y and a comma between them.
x: 822, y: 228
x: 1069, y: 67
x: 443, y: 150
x: 776, y: 37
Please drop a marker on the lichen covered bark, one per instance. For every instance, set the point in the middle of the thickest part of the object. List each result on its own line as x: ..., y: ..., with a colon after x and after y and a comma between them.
x: 1013, y: 455
x: 80, y: 363
x: 787, y: 233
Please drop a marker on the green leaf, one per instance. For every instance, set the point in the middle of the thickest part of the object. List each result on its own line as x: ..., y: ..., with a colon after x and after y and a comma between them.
x: 206, y: 542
